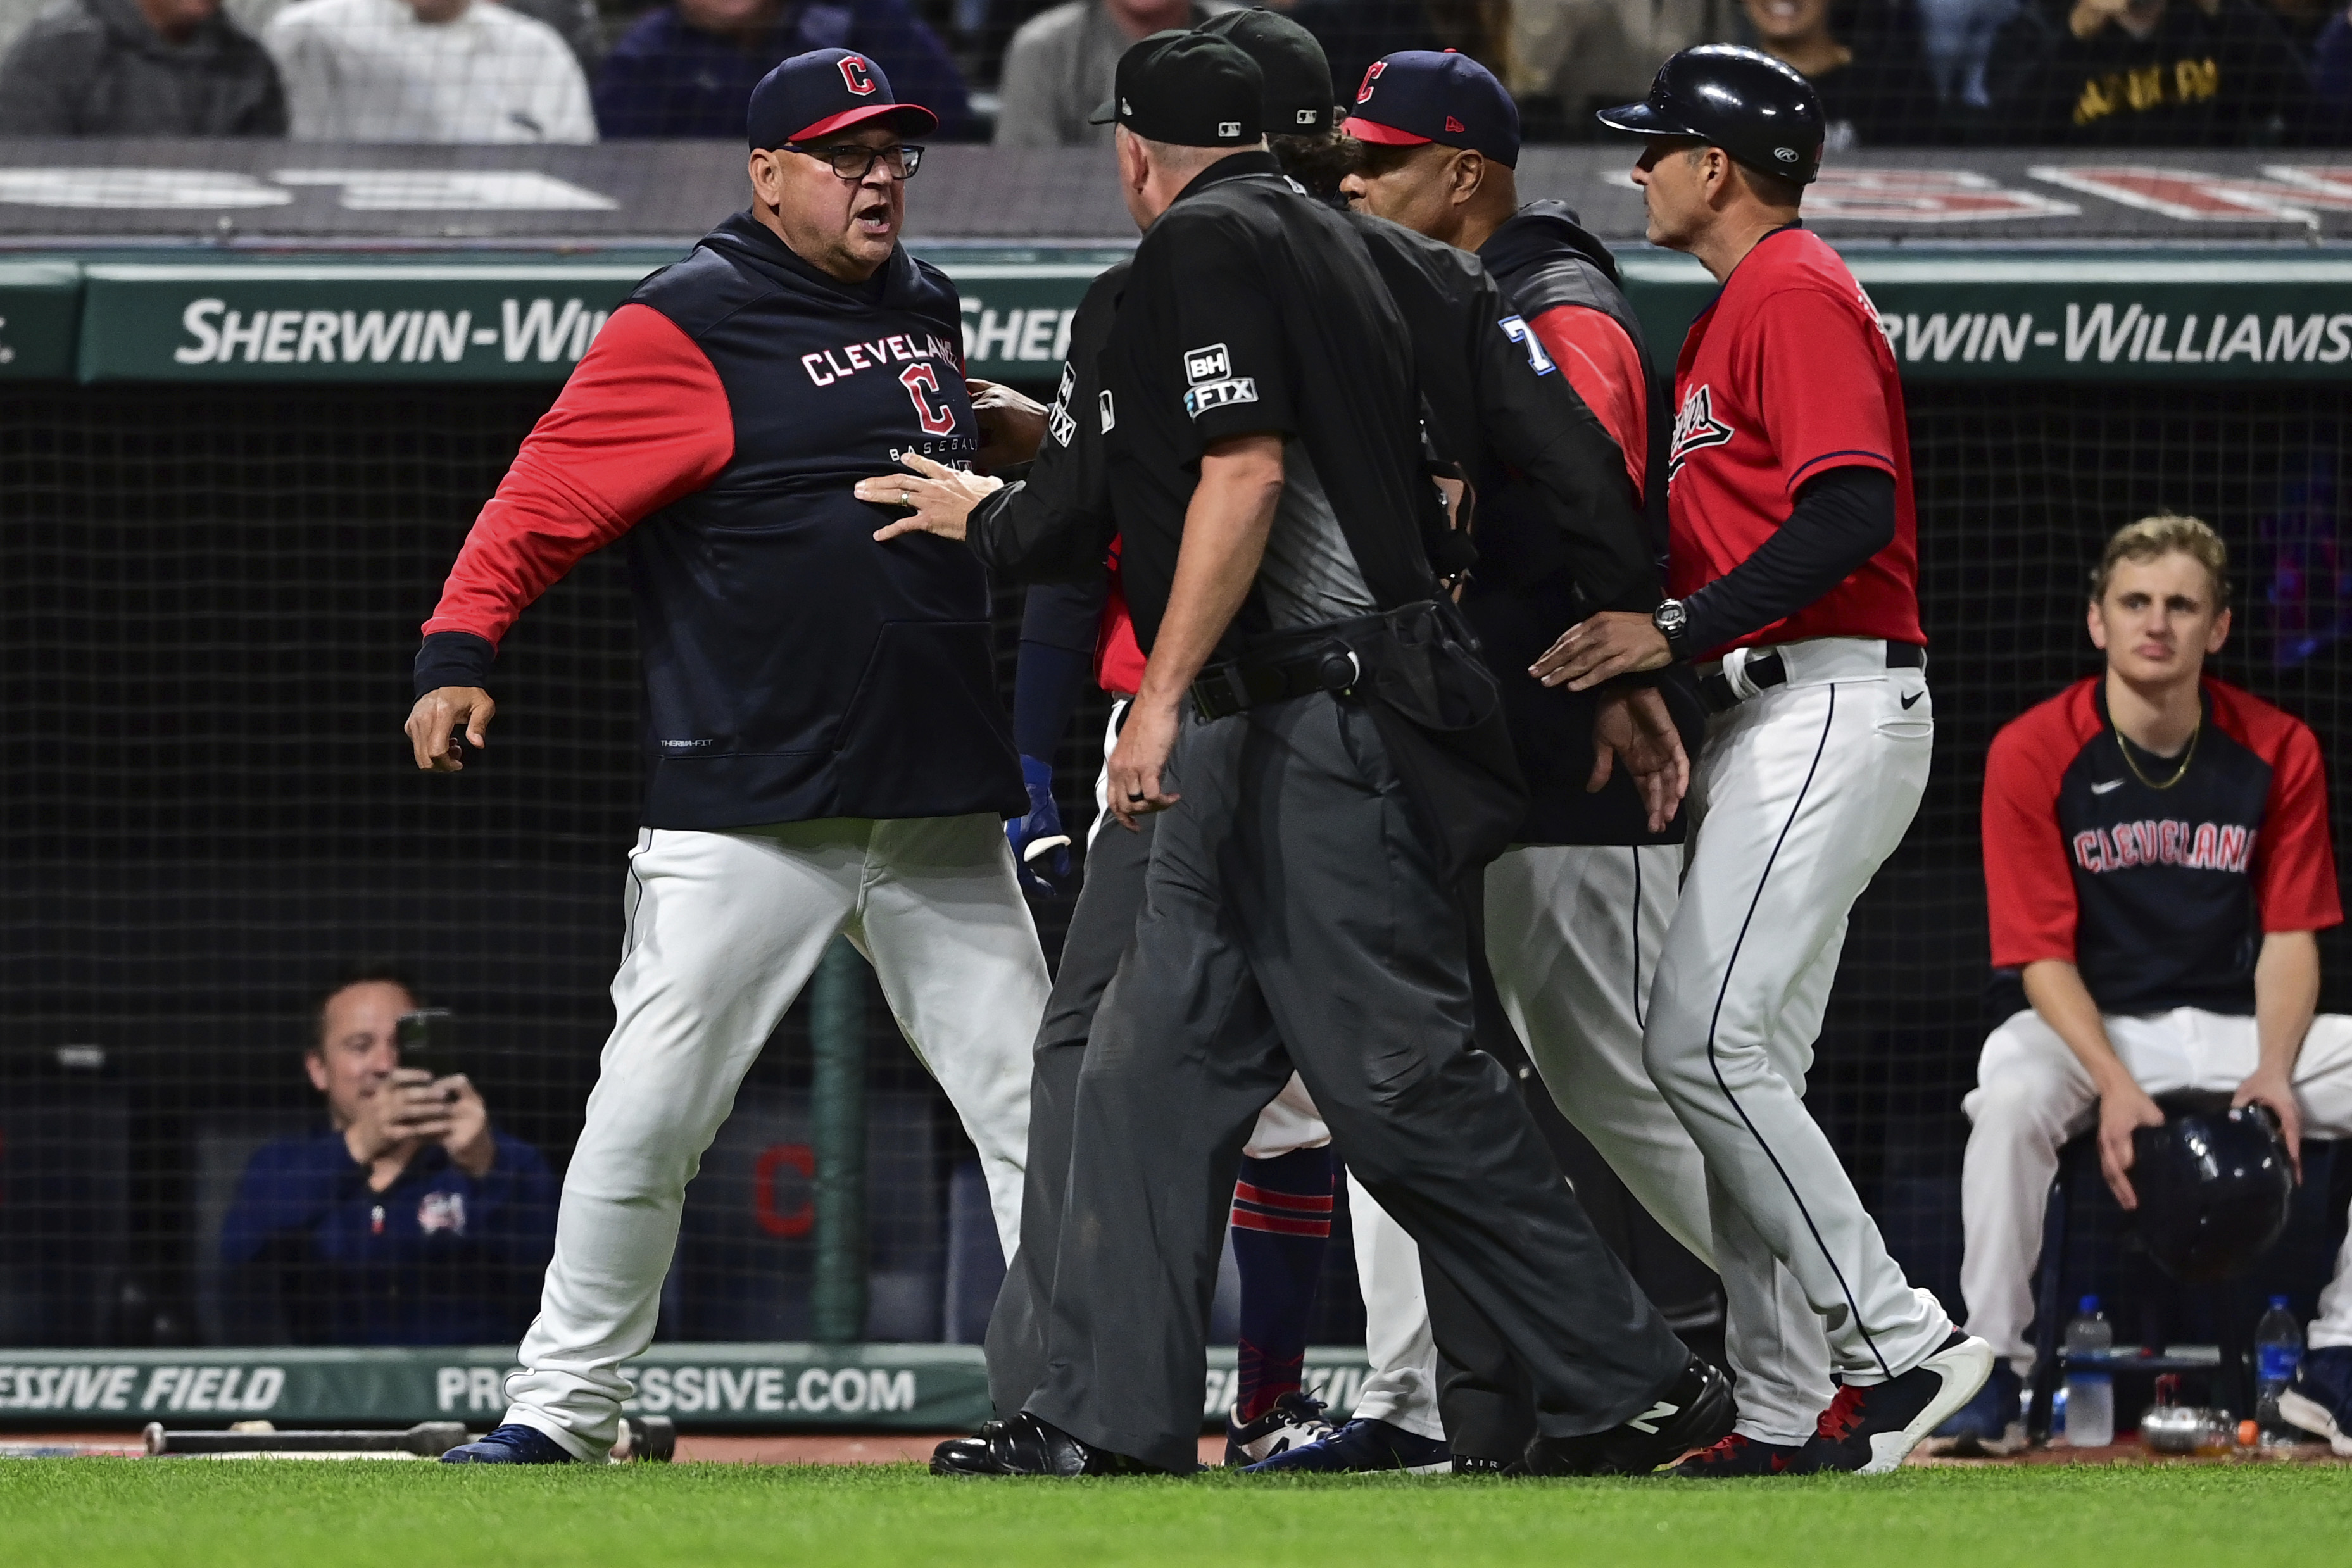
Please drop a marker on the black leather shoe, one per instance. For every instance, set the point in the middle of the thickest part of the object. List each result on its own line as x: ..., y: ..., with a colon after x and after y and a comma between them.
x: 1026, y: 1446
x: 1692, y: 1412
x: 966, y: 1456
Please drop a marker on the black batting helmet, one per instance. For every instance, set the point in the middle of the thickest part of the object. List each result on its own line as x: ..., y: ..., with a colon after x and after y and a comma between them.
x: 1748, y: 103
x: 2213, y: 1191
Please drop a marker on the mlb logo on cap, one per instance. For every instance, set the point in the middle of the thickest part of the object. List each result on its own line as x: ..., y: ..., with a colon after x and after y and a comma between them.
x: 826, y: 91
x: 1416, y: 97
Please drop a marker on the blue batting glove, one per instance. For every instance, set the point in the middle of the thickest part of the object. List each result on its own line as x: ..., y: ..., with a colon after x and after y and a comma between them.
x: 1039, y: 845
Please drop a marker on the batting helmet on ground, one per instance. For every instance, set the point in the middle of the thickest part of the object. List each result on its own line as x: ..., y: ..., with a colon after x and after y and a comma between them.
x: 1748, y: 103
x: 2213, y: 1191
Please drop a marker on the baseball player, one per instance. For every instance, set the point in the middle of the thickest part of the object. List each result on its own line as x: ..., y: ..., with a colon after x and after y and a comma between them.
x: 1793, y: 569
x: 2156, y: 860
x: 825, y: 751
x: 1307, y: 514
x: 1577, y: 908
x: 1396, y: 1423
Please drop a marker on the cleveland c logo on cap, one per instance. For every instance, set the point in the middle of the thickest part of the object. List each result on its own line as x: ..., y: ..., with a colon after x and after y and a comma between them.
x: 1371, y: 74
x: 857, y: 74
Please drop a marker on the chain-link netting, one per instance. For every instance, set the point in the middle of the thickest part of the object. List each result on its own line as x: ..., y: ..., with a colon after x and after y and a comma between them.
x: 211, y: 601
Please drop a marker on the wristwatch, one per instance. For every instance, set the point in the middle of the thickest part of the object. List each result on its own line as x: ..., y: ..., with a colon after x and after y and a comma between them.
x: 1673, y: 621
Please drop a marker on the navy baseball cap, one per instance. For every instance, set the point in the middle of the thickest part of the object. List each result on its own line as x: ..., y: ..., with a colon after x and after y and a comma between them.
x: 1416, y: 97
x: 826, y: 91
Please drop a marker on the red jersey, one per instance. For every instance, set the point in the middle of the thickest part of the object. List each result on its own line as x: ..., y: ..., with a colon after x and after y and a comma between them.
x: 1605, y: 368
x: 1118, y: 659
x: 1786, y: 376
x: 2159, y: 896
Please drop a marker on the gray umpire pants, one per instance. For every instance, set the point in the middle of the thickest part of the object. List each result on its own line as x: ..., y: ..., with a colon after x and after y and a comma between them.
x: 1291, y: 880
x: 1101, y: 928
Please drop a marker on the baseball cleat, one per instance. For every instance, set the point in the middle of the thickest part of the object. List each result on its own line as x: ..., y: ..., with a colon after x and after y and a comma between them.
x: 1290, y: 1422
x: 1869, y: 1429
x: 1694, y: 1411
x: 2319, y: 1400
x: 1026, y: 1446
x: 1361, y: 1444
x: 1989, y: 1425
x: 511, y: 1444
x: 1737, y: 1455
x: 1480, y: 1465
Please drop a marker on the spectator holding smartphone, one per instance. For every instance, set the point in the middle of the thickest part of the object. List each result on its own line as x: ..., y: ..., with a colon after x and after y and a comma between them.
x: 408, y: 1219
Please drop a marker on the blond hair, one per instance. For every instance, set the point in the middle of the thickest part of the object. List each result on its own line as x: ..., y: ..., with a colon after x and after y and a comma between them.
x: 2161, y: 535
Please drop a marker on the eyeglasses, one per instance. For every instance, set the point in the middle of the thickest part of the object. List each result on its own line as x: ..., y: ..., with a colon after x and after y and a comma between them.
x: 851, y: 162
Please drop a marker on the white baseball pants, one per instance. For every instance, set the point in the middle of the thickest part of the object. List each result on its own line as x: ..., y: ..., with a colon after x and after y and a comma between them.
x: 723, y: 930
x: 2032, y: 1096
x: 1574, y: 936
x: 1801, y: 791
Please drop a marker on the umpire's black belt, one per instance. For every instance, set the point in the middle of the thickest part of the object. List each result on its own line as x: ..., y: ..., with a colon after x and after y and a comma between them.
x: 1768, y: 669
x: 1293, y: 664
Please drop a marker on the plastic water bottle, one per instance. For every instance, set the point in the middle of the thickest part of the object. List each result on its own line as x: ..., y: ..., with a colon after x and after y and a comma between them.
x: 2278, y: 1351
x: 2090, y: 1386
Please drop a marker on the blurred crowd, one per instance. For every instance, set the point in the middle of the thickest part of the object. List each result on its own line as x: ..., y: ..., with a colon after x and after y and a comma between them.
x: 1024, y: 73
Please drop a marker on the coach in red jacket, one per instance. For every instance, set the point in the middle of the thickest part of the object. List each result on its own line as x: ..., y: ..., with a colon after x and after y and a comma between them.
x: 826, y: 750
x: 2156, y: 860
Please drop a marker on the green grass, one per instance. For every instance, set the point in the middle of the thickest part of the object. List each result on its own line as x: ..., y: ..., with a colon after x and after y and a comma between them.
x: 85, y: 1513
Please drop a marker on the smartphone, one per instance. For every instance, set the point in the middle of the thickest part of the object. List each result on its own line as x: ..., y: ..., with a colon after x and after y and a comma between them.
x: 427, y: 1040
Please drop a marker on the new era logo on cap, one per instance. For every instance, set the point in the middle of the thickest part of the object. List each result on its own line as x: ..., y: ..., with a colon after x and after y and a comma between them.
x: 1416, y: 97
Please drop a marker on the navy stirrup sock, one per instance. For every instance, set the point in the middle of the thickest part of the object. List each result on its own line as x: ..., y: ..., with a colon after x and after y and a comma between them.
x: 1282, y: 1223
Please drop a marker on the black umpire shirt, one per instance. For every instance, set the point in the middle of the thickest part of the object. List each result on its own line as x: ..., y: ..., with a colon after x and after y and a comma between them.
x: 1318, y: 325
x: 1251, y: 310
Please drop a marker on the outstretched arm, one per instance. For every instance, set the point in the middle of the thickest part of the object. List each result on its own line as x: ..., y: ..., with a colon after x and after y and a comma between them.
x: 643, y: 420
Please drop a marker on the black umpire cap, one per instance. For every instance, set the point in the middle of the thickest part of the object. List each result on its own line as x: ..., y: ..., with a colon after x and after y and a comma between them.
x: 1299, y: 99
x: 1743, y: 101
x: 1187, y: 89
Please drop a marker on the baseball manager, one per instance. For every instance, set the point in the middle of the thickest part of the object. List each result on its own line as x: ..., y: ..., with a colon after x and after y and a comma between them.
x: 826, y: 750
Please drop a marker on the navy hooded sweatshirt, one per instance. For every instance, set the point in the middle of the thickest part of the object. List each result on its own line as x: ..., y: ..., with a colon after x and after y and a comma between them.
x: 795, y: 669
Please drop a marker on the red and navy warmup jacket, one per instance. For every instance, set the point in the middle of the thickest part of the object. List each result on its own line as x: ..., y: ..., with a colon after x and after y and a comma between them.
x: 2160, y: 897
x: 795, y: 669
x: 1563, y: 284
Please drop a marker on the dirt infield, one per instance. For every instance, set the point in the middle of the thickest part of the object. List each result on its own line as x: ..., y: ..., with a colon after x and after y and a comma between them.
x: 846, y: 1449
x: 916, y: 1449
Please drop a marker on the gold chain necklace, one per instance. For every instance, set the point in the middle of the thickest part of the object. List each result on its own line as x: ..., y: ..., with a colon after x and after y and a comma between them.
x: 2178, y: 773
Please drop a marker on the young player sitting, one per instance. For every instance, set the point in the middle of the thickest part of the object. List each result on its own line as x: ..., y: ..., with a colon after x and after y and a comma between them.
x: 2157, y: 861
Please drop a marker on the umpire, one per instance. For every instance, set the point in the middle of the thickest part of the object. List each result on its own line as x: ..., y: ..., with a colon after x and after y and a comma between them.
x: 1323, y: 740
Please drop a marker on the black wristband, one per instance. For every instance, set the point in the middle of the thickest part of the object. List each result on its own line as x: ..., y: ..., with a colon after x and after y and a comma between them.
x: 453, y: 659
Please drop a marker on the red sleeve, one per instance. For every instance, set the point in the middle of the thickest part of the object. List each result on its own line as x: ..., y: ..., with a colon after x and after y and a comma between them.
x: 2294, y: 862
x: 1605, y: 368
x: 2029, y: 887
x: 643, y: 420
x: 1821, y: 386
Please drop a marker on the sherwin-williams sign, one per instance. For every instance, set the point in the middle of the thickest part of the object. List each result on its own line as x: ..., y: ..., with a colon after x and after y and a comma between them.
x: 1950, y: 315
x: 1962, y: 317
x: 278, y: 321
